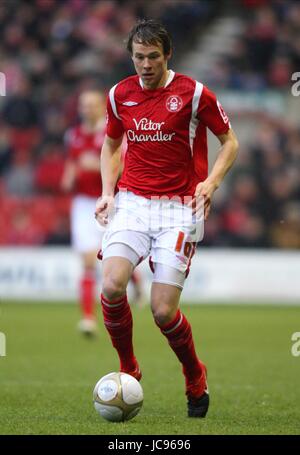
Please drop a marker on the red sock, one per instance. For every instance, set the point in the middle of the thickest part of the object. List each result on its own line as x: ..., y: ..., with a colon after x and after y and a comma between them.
x: 118, y: 322
x: 87, y: 295
x: 180, y: 338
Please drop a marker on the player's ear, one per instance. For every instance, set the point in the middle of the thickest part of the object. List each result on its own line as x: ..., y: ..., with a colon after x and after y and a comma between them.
x: 168, y: 56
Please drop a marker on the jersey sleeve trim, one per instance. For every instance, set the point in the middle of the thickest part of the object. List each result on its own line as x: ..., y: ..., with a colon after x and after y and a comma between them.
x: 113, y: 101
x: 194, y: 120
x: 212, y: 114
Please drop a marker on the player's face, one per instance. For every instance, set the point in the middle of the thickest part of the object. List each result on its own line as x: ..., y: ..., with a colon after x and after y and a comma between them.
x: 91, y: 107
x: 150, y: 64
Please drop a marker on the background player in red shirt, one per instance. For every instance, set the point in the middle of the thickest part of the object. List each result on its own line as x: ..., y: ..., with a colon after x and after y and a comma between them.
x: 81, y: 175
x: 165, y: 194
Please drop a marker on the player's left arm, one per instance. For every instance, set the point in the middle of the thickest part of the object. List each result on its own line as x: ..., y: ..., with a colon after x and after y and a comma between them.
x: 225, y: 159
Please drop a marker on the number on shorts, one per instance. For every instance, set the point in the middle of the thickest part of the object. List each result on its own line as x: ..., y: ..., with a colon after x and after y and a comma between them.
x: 187, y: 246
x: 187, y: 249
x: 179, y: 242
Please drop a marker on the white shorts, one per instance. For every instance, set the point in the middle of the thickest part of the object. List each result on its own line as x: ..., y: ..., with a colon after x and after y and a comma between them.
x: 86, y: 233
x: 162, y: 229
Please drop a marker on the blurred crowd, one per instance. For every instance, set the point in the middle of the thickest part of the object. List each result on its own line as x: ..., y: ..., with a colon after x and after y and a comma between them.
x: 266, y: 51
x: 51, y: 50
x: 260, y: 205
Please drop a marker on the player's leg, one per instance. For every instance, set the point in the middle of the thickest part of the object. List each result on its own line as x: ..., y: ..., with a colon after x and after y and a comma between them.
x: 87, y: 284
x: 119, y: 261
x: 176, y: 328
x: 123, y: 247
x: 116, y: 311
x: 172, y: 251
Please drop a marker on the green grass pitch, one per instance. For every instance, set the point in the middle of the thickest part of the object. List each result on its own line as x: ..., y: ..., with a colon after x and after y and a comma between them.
x: 48, y: 374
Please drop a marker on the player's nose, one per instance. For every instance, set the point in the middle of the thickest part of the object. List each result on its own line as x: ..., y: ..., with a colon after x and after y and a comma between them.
x: 147, y: 64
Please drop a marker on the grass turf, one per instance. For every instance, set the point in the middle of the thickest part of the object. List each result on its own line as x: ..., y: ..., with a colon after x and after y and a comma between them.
x: 48, y: 374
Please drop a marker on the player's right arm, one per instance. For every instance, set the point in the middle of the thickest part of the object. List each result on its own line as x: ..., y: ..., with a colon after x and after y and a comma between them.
x: 212, y: 115
x: 110, y: 159
x: 110, y: 169
x: 110, y: 164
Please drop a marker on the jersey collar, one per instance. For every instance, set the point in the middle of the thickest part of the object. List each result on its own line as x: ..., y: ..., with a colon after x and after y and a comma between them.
x: 168, y: 81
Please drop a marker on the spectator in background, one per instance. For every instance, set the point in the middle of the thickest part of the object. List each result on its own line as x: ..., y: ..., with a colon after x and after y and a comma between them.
x: 242, y: 219
x: 286, y: 232
x: 20, y: 113
x: 82, y: 177
x: 60, y: 235
x: 19, y: 179
x: 5, y: 149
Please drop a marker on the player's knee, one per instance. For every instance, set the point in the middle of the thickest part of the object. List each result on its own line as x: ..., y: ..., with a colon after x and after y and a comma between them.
x: 162, y: 313
x: 113, y: 287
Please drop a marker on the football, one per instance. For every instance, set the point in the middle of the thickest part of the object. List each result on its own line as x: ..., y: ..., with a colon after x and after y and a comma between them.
x: 118, y: 397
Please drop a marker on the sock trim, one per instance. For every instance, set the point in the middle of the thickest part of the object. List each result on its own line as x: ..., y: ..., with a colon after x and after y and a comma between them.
x: 169, y: 325
x: 166, y: 332
x: 114, y: 304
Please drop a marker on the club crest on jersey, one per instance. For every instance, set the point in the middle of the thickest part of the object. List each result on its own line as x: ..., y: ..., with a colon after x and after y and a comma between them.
x: 174, y: 103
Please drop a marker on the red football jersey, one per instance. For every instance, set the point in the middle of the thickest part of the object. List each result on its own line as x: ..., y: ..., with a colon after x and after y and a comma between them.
x: 80, y: 142
x: 166, y: 133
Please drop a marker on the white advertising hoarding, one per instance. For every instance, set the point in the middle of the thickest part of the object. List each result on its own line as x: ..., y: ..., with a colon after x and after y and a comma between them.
x: 233, y: 276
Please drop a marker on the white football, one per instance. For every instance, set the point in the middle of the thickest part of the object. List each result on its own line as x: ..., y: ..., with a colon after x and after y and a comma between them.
x: 118, y: 397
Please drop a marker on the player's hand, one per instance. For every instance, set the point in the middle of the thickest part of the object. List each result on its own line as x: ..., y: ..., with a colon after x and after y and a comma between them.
x: 104, y: 208
x: 203, y: 194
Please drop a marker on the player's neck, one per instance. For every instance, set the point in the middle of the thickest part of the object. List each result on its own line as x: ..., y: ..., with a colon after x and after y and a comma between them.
x: 161, y: 82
